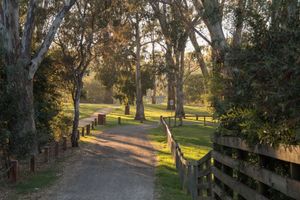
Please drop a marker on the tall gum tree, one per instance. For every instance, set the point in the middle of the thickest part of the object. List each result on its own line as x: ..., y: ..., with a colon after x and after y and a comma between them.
x: 21, y: 65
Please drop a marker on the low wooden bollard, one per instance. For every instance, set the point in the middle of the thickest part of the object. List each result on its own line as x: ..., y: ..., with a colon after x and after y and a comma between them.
x: 56, y: 149
x: 46, y: 154
x: 180, y: 121
x: 101, y: 119
x: 197, y: 117
x: 119, y: 120
x: 13, y: 172
x: 95, y: 121
x: 204, y: 122
x: 88, y: 129
x: 92, y: 125
x: 64, y: 143
x: 82, y: 131
x: 33, y: 163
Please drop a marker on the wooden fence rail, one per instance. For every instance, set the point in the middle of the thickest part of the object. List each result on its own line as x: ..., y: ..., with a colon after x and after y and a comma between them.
x: 234, y: 170
x: 195, y: 177
x: 258, y: 172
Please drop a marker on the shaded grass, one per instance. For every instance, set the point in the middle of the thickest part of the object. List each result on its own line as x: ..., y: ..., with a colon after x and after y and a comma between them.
x: 38, y: 181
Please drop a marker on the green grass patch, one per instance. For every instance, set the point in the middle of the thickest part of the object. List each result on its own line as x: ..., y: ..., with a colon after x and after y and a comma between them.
x: 167, y: 181
x: 86, y: 110
x: 195, y: 142
x: 38, y: 181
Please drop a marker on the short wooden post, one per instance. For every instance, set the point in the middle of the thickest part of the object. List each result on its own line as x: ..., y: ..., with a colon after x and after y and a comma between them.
x: 180, y: 121
x: 93, y: 128
x: 56, y: 149
x: 175, y: 122
x: 88, y: 129
x: 78, y: 133
x: 82, y: 131
x: 95, y: 121
x: 209, y: 178
x: 119, y: 120
x: 46, y: 154
x: 13, y: 172
x: 33, y: 163
x: 197, y: 117
x: 101, y: 119
x: 295, y: 171
x: 64, y: 143
x: 204, y: 121
x: 263, y: 163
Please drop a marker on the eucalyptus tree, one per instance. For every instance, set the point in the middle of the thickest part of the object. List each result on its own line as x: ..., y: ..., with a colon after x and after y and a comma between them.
x: 21, y: 62
x: 176, y: 32
x: 78, y: 37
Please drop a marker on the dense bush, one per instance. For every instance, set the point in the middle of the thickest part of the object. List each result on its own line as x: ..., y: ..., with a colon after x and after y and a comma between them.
x: 260, y: 100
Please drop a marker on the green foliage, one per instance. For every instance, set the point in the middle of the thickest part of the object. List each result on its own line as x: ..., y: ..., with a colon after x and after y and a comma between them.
x: 260, y: 98
x: 194, y: 88
x: 50, y: 121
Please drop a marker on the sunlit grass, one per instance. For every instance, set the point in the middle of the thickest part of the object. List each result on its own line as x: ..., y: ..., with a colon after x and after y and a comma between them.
x: 167, y: 183
x: 86, y: 110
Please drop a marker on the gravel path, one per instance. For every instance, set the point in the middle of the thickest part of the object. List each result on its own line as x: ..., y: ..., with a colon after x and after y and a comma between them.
x: 117, y: 164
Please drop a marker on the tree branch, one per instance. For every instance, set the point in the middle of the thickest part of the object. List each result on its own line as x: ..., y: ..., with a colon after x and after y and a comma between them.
x: 28, y: 29
x: 36, y: 61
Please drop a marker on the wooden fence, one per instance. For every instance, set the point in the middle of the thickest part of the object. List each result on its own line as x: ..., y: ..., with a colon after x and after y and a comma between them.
x: 233, y: 170
x: 259, y: 172
x: 207, y: 120
x: 195, y: 177
x: 50, y: 152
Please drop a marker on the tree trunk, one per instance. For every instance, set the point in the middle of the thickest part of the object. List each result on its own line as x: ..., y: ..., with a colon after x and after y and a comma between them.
x: 153, y: 98
x: 170, y: 75
x: 139, y: 115
x: 20, y: 90
x: 108, y: 96
x: 199, y: 55
x: 179, y: 84
x: 76, y: 104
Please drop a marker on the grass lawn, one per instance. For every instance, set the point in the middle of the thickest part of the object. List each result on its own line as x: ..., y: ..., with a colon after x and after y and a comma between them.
x: 86, y: 110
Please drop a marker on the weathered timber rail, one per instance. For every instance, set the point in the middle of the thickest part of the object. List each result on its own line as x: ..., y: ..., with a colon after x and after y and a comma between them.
x: 195, y: 177
x: 254, y: 172
x: 234, y: 170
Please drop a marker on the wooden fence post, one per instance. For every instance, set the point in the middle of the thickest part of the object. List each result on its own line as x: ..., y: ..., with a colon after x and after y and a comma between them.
x: 295, y: 171
x: 180, y: 121
x: 46, y: 154
x: 56, y: 149
x: 82, y: 131
x: 204, y: 121
x: 33, y: 163
x: 119, y: 120
x: 13, y: 173
x: 88, y: 129
x: 93, y: 128
x: 64, y: 143
x: 197, y: 117
x: 95, y: 121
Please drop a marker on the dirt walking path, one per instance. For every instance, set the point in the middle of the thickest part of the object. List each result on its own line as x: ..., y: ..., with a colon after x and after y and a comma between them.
x: 117, y: 164
x: 86, y: 121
